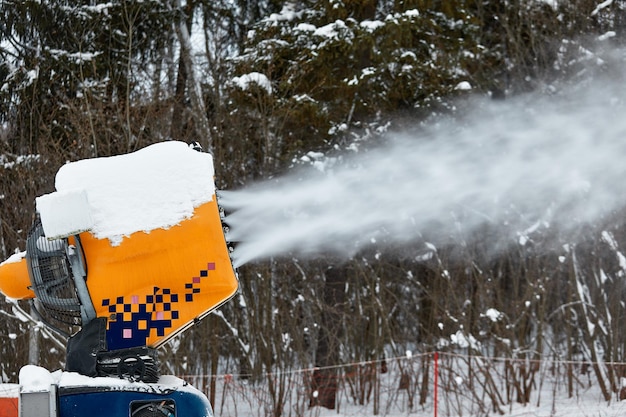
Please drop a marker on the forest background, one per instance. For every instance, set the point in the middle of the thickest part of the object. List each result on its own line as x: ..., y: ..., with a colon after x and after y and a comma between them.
x: 263, y: 84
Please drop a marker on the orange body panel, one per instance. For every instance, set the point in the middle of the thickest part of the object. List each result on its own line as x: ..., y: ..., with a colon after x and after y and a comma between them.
x: 9, y: 400
x: 9, y: 407
x: 14, y: 280
x: 154, y: 285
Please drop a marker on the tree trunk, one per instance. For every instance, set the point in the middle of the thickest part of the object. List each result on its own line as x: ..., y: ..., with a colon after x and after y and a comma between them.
x: 177, y: 126
x: 186, y: 70
x: 324, y: 381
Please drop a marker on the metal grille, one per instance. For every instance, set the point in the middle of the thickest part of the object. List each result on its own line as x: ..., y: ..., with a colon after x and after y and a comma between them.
x: 51, y: 277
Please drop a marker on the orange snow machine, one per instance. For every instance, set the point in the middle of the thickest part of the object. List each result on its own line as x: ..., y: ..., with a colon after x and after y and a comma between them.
x: 131, y: 248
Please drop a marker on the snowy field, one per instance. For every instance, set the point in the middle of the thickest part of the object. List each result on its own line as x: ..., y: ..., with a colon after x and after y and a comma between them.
x: 465, y: 387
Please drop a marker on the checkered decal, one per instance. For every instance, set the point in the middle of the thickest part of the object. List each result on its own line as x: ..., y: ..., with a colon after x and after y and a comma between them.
x: 193, y: 287
x: 133, y: 319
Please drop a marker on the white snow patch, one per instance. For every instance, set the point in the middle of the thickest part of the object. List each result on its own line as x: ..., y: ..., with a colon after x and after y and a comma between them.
x: 35, y: 378
x: 64, y: 213
x: 257, y: 78
x: 9, y: 390
x: 463, y: 86
x: 330, y: 30
x: 493, y: 314
x: 156, y: 187
x: 600, y: 6
x: 16, y: 257
x: 287, y: 14
x: 305, y: 27
x: 608, y: 35
x: 463, y: 341
x: 371, y: 25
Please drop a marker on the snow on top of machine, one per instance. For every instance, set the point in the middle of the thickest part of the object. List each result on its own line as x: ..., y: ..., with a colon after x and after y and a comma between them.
x: 33, y: 378
x: 155, y: 187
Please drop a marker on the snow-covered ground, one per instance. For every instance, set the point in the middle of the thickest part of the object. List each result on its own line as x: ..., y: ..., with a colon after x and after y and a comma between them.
x: 240, y: 398
x: 390, y: 394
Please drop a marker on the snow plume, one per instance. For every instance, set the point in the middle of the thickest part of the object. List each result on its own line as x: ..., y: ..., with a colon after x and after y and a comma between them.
x: 519, y: 165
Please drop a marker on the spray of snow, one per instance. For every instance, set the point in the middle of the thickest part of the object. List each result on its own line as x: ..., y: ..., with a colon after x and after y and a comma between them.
x: 522, y: 164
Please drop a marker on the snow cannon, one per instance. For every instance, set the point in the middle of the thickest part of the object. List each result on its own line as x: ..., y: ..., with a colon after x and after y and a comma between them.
x: 131, y: 248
